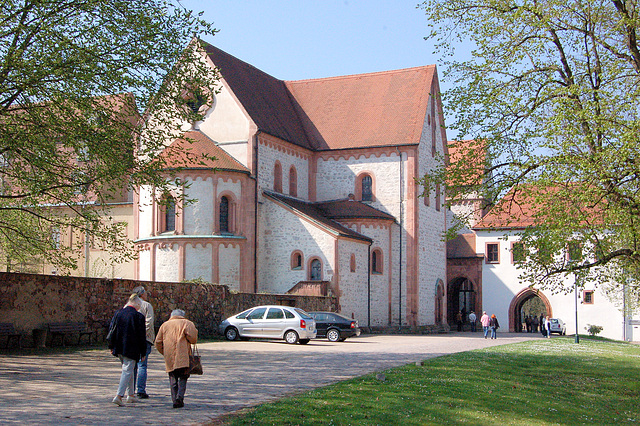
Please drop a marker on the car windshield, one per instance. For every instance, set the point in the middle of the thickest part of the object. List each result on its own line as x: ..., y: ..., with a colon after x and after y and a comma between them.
x: 303, y: 314
x: 553, y: 321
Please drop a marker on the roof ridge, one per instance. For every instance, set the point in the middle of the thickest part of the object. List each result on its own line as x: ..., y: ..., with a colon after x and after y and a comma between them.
x: 366, y: 74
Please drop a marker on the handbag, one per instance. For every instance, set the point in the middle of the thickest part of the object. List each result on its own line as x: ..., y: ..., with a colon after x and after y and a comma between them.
x: 195, y: 364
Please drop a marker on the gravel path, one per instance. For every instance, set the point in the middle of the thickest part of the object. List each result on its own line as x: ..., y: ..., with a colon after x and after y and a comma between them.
x: 76, y: 389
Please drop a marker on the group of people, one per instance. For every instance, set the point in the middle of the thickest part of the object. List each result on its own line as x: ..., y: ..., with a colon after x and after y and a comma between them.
x: 490, y: 324
x: 131, y: 337
x: 532, y: 323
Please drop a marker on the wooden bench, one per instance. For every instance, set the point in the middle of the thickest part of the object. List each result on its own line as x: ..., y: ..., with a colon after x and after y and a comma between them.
x: 7, y: 329
x: 64, y: 328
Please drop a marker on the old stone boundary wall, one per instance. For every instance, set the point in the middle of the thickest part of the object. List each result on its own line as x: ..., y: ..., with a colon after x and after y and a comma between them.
x: 32, y: 301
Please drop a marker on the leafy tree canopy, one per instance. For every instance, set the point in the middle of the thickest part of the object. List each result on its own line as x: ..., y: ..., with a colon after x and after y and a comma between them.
x: 551, y: 90
x: 73, y: 76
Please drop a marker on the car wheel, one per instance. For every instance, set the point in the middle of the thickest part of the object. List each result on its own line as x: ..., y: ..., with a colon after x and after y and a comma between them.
x: 231, y: 333
x: 564, y: 332
x: 304, y: 341
x: 333, y: 335
x: 291, y: 337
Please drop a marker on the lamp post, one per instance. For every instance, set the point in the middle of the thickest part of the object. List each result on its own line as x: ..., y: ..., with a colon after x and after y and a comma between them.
x: 576, y: 299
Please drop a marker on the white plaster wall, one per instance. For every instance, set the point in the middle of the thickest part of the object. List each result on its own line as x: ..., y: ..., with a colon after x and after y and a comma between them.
x: 238, y: 150
x: 281, y: 233
x: 500, y: 284
x: 336, y: 179
x: 353, y: 285
x: 167, y: 263
x: 197, y: 263
x: 268, y: 156
x: 229, y: 258
x: 227, y: 122
x: 432, y: 253
x: 198, y: 215
x: 235, y: 187
x: 145, y: 215
x: 380, y: 282
x: 144, y: 265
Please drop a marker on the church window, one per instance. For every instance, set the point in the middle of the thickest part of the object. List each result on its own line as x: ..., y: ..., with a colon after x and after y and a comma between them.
x: 315, y: 273
x: 587, y: 297
x: 352, y: 262
x: 367, y: 188
x: 277, y: 177
x: 293, y: 182
x: 224, y: 215
x: 376, y: 261
x: 296, y: 260
x: 170, y: 215
x: 492, y: 253
x: 437, y: 196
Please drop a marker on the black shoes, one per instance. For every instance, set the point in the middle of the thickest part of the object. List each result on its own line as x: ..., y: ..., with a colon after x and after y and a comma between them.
x: 142, y: 395
x: 179, y: 403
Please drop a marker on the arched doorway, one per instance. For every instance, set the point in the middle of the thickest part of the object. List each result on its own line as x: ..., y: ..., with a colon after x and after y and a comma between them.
x: 527, y: 302
x: 461, y: 296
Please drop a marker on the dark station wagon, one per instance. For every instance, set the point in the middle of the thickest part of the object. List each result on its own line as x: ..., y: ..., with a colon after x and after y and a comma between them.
x: 335, y: 327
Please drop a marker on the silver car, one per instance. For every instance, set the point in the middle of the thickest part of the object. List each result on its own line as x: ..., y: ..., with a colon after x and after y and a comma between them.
x: 270, y: 322
x: 557, y: 326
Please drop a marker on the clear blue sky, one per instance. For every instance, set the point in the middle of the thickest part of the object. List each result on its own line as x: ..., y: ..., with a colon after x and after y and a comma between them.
x: 302, y: 39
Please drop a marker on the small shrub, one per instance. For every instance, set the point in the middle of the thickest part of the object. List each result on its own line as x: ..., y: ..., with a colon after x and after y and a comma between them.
x: 593, y: 329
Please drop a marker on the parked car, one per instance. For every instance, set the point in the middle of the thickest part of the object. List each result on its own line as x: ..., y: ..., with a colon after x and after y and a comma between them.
x: 270, y: 322
x: 557, y: 326
x: 335, y: 327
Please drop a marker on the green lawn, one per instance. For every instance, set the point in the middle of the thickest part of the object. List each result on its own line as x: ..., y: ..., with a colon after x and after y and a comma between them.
x: 542, y: 382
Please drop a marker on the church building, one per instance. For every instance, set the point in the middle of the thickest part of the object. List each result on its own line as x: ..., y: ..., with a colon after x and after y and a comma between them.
x: 313, y: 190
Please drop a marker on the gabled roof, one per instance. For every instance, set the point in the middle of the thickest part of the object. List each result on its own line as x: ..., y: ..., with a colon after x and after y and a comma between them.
x: 364, y: 110
x: 195, y: 150
x: 326, y: 213
x: 266, y: 99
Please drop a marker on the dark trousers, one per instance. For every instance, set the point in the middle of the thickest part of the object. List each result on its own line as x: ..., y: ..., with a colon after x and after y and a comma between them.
x: 178, y: 382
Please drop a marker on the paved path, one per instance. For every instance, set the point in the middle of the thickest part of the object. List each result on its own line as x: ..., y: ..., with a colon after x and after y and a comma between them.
x: 76, y: 389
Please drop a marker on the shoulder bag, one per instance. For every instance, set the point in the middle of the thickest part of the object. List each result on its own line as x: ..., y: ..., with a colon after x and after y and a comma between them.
x: 195, y: 365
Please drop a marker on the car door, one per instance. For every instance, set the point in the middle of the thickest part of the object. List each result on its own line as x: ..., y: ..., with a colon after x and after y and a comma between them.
x: 252, y: 325
x: 322, y: 322
x: 273, y: 324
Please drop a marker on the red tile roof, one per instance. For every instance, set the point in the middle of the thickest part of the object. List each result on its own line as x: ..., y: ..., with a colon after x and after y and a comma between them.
x: 195, y: 151
x: 471, y: 152
x: 328, y: 213
x: 528, y: 205
x: 365, y: 110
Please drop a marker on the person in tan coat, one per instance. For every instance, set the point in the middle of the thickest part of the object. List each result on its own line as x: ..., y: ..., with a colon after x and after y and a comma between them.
x: 174, y: 341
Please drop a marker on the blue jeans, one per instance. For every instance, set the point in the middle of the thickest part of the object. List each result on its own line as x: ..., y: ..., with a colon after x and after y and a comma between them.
x: 141, y: 372
x: 493, y: 332
x: 126, y: 378
x: 486, y: 331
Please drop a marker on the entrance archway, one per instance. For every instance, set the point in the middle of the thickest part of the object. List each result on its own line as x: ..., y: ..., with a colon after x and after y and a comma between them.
x: 461, y: 296
x: 529, y: 300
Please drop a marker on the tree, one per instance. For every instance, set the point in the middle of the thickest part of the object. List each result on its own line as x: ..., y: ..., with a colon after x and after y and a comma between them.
x: 551, y: 90
x: 73, y: 76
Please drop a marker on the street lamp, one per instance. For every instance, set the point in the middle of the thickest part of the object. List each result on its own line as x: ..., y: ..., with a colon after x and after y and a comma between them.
x: 576, y: 299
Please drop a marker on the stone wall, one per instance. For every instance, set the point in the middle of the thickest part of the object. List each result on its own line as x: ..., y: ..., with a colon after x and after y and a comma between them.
x: 32, y: 301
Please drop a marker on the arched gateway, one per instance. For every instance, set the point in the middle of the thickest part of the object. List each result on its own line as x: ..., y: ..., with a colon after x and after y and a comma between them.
x: 461, y: 296
x: 525, y: 297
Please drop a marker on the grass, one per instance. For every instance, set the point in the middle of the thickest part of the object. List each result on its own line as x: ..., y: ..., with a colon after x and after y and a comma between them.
x: 543, y: 382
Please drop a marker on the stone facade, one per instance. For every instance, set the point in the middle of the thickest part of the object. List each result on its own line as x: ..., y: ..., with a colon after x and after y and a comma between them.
x: 32, y: 301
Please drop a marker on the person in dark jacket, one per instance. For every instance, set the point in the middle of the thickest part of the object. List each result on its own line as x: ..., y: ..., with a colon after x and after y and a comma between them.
x: 494, y: 325
x: 129, y: 344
